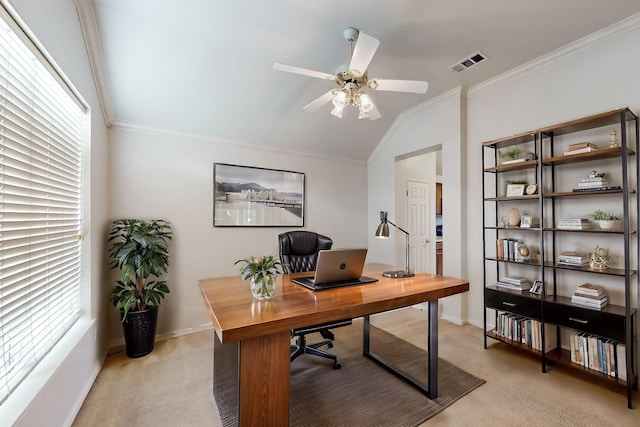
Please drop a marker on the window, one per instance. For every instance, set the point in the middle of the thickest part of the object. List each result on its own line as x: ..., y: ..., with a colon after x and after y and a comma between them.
x: 40, y: 216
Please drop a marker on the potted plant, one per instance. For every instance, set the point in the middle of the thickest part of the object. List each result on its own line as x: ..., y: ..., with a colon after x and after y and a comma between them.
x: 140, y: 250
x: 606, y: 220
x: 512, y: 153
x: 262, y: 272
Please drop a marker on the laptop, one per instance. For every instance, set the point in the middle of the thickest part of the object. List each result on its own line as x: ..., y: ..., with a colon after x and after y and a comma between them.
x: 336, y: 268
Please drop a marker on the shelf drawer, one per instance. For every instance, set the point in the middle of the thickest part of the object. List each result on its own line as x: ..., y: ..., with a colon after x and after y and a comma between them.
x: 602, y: 323
x: 513, y: 303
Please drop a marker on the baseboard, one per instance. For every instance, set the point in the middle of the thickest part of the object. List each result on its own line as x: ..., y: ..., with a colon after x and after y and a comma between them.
x: 116, y: 346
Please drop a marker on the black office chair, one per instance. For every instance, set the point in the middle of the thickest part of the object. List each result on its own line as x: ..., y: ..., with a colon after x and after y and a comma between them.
x: 299, y: 252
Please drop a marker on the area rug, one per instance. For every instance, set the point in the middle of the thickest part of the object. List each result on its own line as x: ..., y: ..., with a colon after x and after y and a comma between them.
x: 363, y: 393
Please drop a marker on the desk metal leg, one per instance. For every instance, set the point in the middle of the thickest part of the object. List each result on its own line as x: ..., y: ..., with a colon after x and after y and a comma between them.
x: 431, y: 388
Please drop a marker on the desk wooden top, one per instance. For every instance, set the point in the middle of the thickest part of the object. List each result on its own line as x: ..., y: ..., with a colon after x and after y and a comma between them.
x: 236, y: 315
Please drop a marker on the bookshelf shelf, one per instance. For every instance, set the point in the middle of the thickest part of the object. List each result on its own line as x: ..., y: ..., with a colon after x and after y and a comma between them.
x: 553, y: 172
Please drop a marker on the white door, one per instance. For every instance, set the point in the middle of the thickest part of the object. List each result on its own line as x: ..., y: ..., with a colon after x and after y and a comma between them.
x: 419, y: 226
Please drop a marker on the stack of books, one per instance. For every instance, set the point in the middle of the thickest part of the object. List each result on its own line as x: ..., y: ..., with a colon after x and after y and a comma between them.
x: 574, y: 224
x: 589, y: 295
x: 598, y: 183
x: 580, y: 147
x: 573, y: 259
x: 514, y: 283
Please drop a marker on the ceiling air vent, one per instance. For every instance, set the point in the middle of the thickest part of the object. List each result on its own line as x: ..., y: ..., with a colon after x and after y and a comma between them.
x: 469, y: 62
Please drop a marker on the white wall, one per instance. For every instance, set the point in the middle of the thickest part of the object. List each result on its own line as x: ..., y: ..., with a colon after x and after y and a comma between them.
x: 590, y: 77
x: 170, y: 176
x: 435, y: 123
x: 74, y: 363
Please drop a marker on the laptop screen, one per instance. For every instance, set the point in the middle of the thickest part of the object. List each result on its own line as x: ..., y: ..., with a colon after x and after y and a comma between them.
x: 339, y: 267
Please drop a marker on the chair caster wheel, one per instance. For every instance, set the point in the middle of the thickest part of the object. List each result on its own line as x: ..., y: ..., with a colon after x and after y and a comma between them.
x: 330, y: 345
x: 336, y: 365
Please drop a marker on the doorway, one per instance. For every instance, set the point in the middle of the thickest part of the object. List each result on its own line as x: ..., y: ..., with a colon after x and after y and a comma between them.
x: 420, y: 170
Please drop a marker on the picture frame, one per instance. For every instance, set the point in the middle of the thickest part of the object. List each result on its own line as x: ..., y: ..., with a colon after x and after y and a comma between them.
x: 531, y: 189
x: 515, y: 190
x: 537, y: 287
x: 525, y: 221
x: 248, y: 196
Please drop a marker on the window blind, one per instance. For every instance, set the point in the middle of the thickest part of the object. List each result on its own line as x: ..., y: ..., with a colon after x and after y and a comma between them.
x: 40, y: 216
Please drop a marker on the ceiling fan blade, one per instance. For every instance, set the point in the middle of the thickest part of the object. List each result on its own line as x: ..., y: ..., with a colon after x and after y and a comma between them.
x: 366, y: 47
x: 303, y: 71
x: 319, y: 102
x: 413, y: 86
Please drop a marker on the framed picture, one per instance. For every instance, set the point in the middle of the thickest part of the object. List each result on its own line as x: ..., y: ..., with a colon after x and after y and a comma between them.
x: 515, y: 190
x: 536, y: 288
x: 525, y: 221
x: 246, y: 196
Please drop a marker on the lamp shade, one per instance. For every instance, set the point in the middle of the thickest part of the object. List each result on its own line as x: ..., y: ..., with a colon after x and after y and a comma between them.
x: 382, y: 232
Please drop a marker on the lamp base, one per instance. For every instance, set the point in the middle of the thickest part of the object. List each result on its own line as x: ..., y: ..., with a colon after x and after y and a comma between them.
x: 397, y: 274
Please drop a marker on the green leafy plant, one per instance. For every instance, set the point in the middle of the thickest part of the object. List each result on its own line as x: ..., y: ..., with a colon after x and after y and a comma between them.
x: 512, y: 153
x: 140, y: 249
x: 260, y: 268
x: 600, y: 215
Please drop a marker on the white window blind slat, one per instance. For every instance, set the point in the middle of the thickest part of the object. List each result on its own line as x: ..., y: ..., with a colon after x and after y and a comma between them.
x: 40, y: 210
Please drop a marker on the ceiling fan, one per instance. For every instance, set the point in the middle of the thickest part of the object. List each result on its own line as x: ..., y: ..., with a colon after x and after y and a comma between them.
x: 354, y: 79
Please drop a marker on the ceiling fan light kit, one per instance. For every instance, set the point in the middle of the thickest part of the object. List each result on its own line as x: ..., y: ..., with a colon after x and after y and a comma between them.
x: 354, y: 80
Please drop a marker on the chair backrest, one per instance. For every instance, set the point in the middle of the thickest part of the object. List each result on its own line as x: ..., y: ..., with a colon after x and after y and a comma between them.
x: 299, y: 249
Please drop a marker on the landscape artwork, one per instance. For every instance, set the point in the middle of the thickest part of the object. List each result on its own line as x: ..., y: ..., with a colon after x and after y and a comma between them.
x: 246, y: 196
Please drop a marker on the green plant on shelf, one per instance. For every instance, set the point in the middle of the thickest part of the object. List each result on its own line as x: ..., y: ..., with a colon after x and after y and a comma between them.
x: 512, y: 153
x: 600, y: 215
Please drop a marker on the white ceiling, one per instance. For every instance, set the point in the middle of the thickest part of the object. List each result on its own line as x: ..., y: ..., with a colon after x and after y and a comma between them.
x: 204, y: 67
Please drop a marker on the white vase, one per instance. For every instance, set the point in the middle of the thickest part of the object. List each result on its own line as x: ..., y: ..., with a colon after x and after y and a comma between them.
x: 263, y: 288
x: 605, y: 224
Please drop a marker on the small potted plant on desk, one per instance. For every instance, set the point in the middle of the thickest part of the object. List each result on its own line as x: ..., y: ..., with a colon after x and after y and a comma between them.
x: 262, y: 273
x: 606, y: 220
x: 140, y: 250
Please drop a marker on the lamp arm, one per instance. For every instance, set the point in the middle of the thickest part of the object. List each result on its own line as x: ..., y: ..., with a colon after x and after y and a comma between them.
x: 399, y: 228
x: 407, y: 236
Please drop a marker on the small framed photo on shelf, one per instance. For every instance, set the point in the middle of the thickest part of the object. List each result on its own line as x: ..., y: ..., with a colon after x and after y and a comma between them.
x: 515, y: 190
x: 536, y: 288
x: 525, y: 221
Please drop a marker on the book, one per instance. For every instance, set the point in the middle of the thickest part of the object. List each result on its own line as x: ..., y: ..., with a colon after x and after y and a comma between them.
x: 511, y: 286
x: 592, y: 297
x: 588, y: 288
x: 579, y: 145
x: 573, y: 256
x: 594, y: 179
x: 580, y: 150
x: 621, y: 361
x: 500, y: 248
x: 592, y: 184
x: 602, y: 188
x: 589, y: 301
x: 516, y: 280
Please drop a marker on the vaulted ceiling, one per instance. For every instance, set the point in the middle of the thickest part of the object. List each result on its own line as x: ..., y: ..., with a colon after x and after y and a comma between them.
x: 204, y: 67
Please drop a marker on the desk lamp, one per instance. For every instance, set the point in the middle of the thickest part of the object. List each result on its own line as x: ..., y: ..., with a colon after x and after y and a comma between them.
x: 382, y: 232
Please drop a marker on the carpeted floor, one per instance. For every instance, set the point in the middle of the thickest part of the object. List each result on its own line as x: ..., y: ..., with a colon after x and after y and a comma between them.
x: 371, y: 395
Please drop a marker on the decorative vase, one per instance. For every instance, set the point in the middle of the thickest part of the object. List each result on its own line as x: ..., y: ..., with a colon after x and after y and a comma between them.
x: 263, y: 288
x: 606, y: 224
x: 514, y: 217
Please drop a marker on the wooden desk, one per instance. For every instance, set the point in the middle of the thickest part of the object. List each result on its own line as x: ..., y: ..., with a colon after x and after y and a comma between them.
x: 260, y: 331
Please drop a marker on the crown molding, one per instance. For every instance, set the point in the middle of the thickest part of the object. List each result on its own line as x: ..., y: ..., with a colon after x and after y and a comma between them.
x: 89, y: 26
x: 132, y: 127
x: 608, y: 33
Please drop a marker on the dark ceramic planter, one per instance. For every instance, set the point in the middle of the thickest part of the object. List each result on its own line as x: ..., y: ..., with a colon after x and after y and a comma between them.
x: 140, y: 331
